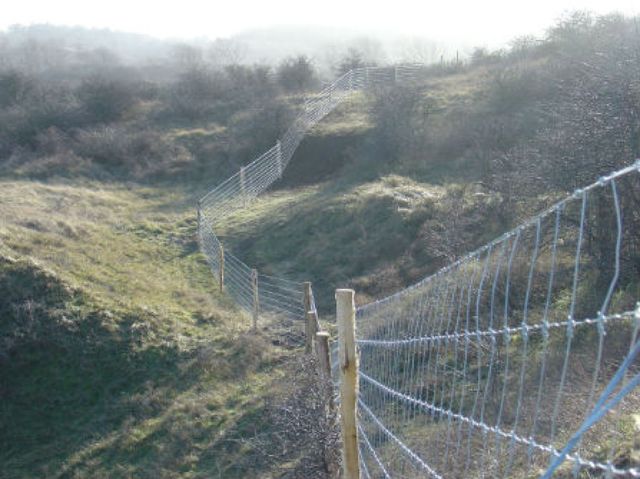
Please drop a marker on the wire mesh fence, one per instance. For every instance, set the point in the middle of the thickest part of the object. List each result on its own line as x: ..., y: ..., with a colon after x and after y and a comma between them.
x: 252, y: 290
x: 488, y: 367
x: 499, y: 362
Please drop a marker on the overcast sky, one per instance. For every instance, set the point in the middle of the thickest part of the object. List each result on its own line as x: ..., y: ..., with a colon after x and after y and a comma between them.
x: 481, y: 22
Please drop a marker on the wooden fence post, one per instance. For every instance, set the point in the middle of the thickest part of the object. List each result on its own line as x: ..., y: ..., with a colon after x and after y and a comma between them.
x: 311, y: 328
x: 326, y: 389
x: 221, y: 272
x: 348, y: 362
x: 324, y: 364
x: 256, y: 298
x: 309, y: 319
x: 307, y: 296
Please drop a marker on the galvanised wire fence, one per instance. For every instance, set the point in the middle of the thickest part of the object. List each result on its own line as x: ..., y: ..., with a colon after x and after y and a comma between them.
x: 519, y: 360
x: 497, y: 363
x: 256, y: 292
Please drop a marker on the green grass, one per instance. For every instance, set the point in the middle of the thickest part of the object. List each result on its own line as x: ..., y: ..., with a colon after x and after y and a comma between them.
x: 119, y: 357
x: 367, y: 235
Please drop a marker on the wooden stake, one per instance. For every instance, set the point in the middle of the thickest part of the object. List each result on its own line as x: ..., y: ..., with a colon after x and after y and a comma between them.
x: 322, y: 352
x: 221, y: 272
x: 324, y: 365
x: 312, y: 323
x: 348, y: 361
x: 308, y: 330
x: 307, y: 296
x: 311, y: 328
x: 256, y: 298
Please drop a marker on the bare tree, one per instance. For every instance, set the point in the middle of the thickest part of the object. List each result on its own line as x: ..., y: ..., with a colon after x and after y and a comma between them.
x: 297, y: 74
x: 187, y: 56
x: 226, y: 51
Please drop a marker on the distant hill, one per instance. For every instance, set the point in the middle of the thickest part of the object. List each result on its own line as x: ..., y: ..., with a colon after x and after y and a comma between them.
x: 129, y: 47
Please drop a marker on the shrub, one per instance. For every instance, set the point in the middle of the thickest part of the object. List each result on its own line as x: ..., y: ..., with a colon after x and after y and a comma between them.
x: 21, y: 123
x: 15, y: 87
x: 297, y: 74
x: 104, y: 100
x: 142, y: 153
x: 354, y: 58
x: 195, y: 92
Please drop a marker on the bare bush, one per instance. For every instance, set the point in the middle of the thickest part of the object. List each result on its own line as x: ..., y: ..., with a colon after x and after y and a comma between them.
x: 401, y: 117
x: 303, y: 440
x: 105, y: 100
x: 142, y: 153
x: 297, y: 74
x: 15, y: 87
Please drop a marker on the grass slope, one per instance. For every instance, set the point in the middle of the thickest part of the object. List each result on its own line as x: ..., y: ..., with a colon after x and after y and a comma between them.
x: 118, y: 358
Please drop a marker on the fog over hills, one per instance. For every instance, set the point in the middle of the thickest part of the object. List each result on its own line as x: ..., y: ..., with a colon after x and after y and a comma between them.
x: 264, y: 45
x: 326, y: 43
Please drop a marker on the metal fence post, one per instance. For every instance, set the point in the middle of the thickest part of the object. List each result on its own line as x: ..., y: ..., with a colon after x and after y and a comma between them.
x: 256, y: 298
x: 243, y: 188
x: 279, y: 156
x: 221, y: 271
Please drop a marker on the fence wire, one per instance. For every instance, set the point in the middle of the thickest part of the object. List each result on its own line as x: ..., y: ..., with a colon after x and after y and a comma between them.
x: 509, y: 362
x: 489, y: 367
x: 277, y: 295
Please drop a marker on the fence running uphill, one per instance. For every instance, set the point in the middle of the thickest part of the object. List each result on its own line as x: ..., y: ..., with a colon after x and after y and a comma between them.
x: 256, y: 292
x: 518, y: 360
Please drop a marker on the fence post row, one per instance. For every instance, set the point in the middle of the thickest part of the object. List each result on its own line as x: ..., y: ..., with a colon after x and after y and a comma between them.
x: 256, y: 298
x: 221, y: 271
x: 348, y: 362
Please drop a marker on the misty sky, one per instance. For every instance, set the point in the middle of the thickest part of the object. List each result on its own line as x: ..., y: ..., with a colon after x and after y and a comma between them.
x: 481, y: 22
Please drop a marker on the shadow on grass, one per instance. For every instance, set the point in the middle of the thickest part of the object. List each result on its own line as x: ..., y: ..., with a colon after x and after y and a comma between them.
x: 71, y: 374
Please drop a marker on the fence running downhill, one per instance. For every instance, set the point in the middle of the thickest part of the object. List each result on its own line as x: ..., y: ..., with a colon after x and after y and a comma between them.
x: 518, y: 360
x: 256, y: 292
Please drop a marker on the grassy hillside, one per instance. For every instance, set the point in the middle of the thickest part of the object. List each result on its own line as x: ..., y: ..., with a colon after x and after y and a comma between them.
x: 356, y: 215
x: 401, y: 181
x: 119, y: 358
